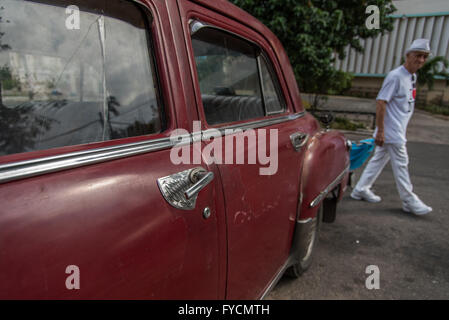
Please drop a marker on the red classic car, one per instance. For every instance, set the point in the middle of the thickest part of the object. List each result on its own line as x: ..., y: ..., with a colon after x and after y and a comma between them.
x: 155, y: 149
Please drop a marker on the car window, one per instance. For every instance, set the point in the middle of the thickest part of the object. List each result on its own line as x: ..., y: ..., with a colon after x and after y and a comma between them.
x: 228, y: 77
x: 67, y: 83
x: 274, y: 101
x: 236, y: 82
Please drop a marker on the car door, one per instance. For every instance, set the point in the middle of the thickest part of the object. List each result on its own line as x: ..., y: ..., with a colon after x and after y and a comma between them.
x: 255, y: 138
x: 92, y: 205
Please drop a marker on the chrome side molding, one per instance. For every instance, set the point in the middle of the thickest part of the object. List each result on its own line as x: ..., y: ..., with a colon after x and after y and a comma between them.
x: 255, y: 124
x: 35, y: 167
x: 30, y: 168
x: 329, y: 188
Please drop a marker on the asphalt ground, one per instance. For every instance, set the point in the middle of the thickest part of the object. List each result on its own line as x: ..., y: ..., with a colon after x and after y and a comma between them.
x: 411, y: 252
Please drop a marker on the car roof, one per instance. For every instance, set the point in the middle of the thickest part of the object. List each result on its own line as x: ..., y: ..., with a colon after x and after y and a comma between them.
x: 232, y: 11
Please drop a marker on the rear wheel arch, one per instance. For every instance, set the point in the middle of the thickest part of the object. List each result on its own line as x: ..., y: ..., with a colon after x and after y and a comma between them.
x: 315, y: 206
x: 325, y: 159
x: 304, y: 244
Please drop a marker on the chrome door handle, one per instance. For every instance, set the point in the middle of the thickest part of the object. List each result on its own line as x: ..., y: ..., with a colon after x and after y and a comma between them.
x: 181, y: 189
x: 299, y: 139
x: 204, y: 179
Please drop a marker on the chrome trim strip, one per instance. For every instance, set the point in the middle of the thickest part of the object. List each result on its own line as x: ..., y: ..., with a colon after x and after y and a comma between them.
x: 261, y: 83
x: 329, y: 188
x: 276, y: 279
x: 306, y: 220
x: 254, y: 124
x: 30, y: 168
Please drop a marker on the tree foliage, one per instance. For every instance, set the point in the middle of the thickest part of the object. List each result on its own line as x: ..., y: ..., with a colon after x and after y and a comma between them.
x: 312, y: 30
x: 7, y: 79
x: 433, y: 67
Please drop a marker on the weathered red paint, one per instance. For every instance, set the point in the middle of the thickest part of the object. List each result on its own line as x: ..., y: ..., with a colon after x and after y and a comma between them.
x: 111, y: 220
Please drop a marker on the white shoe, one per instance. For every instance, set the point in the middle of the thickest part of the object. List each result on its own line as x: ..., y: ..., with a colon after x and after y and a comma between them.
x: 366, y: 195
x: 416, y: 207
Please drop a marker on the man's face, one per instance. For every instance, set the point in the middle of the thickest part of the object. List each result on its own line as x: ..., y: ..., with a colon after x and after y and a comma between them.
x: 416, y: 59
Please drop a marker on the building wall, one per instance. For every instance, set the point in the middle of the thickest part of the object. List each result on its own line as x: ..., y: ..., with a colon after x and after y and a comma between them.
x: 384, y: 52
x: 369, y: 87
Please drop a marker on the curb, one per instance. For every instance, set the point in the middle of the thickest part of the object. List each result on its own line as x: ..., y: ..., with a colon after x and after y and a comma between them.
x: 359, y: 132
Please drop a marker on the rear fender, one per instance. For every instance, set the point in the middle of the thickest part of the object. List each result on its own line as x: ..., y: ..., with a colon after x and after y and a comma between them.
x: 326, y: 165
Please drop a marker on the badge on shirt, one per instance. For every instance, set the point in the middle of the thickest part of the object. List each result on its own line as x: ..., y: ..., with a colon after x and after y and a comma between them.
x: 413, y: 93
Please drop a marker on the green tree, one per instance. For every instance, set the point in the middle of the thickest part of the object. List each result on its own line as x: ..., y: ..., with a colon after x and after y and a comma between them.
x: 313, y: 30
x: 433, y: 67
x: 7, y: 79
x: 3, y: 47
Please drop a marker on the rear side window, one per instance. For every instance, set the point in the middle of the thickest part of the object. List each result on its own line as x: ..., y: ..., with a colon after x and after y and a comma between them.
x: 75, y: 76
x: 235, y: 78
x: 274, y: 102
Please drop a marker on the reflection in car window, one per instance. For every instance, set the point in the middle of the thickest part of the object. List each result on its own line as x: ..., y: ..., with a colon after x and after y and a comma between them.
x: 230, y: 70
x: 228, y: 77
x: 62, y: 87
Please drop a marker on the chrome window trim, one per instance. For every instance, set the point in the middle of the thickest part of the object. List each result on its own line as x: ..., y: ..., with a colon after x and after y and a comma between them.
x: 255, y: 124
x: 329, y: 188
x: 261, y: 84
x: 30, y: 168
x: 197, y: 25
x: 273, y: 113
x: 35, y: 167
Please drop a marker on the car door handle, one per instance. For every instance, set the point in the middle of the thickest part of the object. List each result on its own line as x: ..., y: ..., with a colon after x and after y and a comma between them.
x: 299, y: 139
x: 181, y: 189
x: 201, y: 178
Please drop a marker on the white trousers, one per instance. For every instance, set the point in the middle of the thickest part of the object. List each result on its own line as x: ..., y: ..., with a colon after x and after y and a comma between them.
x: 397, y: 153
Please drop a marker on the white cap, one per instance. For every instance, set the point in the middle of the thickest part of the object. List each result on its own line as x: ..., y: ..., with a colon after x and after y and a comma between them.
x: 421, y: 45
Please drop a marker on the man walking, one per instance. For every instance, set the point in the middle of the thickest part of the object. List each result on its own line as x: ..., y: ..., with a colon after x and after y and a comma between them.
x: 394, y: 107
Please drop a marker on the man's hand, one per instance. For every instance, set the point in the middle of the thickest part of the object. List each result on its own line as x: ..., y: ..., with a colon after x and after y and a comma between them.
x: 381, y: 105
x: 380, y: 138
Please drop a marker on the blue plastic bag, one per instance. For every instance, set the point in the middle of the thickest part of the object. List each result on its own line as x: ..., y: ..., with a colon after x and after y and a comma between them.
x: 360, y: 152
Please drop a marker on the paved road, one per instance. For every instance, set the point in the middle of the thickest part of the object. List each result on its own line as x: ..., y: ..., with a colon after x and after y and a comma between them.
x: 412, y: 253
x: 344, y: 103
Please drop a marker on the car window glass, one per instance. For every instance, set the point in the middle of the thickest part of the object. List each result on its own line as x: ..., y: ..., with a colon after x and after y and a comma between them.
x: 228, y: 75
x: 274, y: 102
x: 65, y: 85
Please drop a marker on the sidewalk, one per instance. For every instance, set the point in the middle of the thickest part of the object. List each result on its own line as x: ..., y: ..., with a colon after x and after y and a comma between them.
x: 361, y: 110
x: 423, y: 126
x: 411, y: 252
x: 429, y: 128
x: 343, y: 103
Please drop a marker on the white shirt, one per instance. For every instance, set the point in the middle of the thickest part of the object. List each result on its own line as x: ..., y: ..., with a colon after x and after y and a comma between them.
x: 399, y: 92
